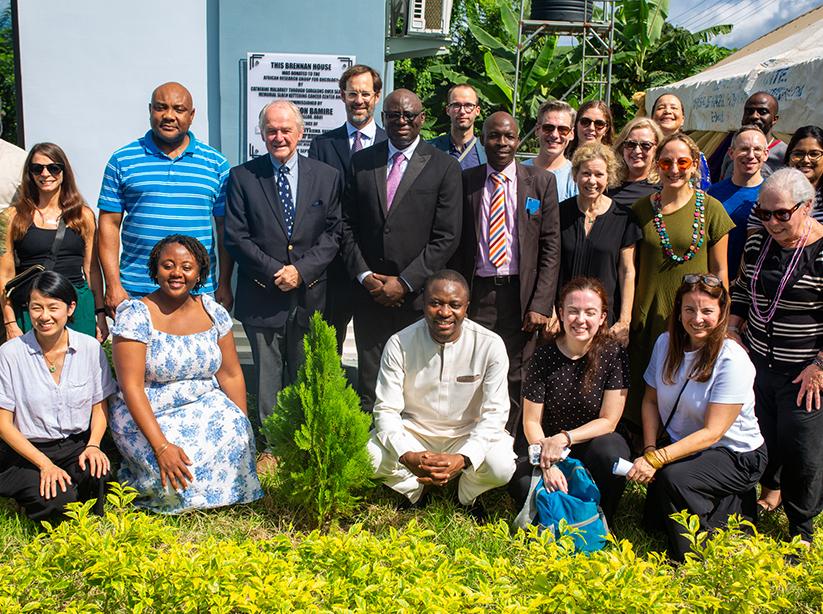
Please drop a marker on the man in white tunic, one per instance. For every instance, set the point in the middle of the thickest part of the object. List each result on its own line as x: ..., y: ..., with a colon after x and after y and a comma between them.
x: 442, y: 401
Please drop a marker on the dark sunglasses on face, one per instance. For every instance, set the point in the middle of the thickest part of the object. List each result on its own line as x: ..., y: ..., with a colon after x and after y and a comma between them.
x: 395, y: 116
x: 781, y: 215
x: 683, y: 164
x: 632, y: 145
x: 599, y: 124
x: 550, y: 128
x: 53, y: 168
x: 707, y: 279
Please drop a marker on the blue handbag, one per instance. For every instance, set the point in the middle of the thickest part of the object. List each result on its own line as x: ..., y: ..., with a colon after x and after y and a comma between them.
x: 580, y: 507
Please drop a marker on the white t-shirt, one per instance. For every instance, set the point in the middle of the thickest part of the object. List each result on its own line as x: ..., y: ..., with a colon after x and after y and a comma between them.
x: 732, y: 381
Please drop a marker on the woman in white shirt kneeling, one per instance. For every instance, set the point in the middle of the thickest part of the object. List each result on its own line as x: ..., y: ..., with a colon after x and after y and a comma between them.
x: 699, y: 386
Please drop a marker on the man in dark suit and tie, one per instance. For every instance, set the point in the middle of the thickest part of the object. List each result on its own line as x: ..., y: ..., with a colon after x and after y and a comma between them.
x: 402, y: 213
x: 360, y: 88
x: 283, y: 229
x: 510, y: 250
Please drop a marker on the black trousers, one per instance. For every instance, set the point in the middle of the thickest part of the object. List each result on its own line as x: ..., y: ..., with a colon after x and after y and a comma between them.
x: 496, y: 305
x: 794, y: 439
x: 598, y: 456
x: 713, y: 484
x: 20, y: 480
x: 373, y: 325
x: 339, y: 299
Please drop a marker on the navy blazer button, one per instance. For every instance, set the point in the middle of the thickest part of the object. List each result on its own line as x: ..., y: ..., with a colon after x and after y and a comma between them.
x: 291, y: 247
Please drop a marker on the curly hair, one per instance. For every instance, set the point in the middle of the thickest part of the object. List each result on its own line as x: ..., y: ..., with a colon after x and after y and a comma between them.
x: 694, y: 151
x: 638, y: 123
x: 192, y: 245
x: 597, y: 151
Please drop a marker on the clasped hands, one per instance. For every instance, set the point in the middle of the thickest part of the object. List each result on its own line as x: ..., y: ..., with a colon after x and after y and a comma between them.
x: 386, y: 290
x: 287, y: 278
x: 434, y: 468
x: 552, y: 452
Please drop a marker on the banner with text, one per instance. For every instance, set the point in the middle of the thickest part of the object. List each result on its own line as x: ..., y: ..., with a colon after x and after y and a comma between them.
x: 307, y: 80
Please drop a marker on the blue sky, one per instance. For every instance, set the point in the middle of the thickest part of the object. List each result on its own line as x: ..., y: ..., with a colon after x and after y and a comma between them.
x: 751, y: 18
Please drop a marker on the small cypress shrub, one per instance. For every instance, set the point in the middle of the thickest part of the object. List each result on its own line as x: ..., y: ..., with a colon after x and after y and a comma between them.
x: 319, y: 433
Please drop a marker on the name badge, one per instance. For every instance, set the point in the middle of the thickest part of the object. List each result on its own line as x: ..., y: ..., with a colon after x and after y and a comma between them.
x: 532, y: 205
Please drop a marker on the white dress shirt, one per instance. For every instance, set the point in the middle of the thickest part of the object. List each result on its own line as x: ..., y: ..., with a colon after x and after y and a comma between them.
x: 456, y: 389
x: 367, y: 133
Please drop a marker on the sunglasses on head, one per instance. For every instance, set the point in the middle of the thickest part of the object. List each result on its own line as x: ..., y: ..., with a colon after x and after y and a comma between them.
x: 632, y: 145
x: 707, y: 279
x: 781, y: 215
x: 550, y: 128
x: 599, y: 124
x: 683, y: 164
x: 54, y: 168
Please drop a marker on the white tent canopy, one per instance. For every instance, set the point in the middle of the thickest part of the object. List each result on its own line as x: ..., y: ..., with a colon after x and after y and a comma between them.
x: 790, y: 69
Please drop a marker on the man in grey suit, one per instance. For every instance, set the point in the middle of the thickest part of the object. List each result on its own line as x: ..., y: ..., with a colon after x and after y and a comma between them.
x: 283, y: 230
x: 402, y: 212
x: 360, y: 88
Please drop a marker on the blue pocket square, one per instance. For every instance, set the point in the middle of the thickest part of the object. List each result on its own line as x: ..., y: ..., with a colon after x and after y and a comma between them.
x: 532, y: 205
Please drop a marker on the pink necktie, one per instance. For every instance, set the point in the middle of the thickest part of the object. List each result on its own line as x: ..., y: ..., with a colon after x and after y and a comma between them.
x: 358, y: 142
x: 395, y: 175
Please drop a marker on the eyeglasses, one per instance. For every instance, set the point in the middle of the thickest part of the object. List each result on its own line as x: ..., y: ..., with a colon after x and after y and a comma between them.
x: 468, y: 107
x: 632, y: 145
x: 354, y: 94
x: 759, y: 152
x: 781, y: 215
x: 683, y: 164
x: 814, y: 155
x: 395, y: 116
x: 550, y: 128
x: 54, y: 168
x: 707, y: 279
x: 599, y: 124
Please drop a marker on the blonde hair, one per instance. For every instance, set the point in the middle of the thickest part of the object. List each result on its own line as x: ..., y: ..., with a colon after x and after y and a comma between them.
x: 597, y: 151
x: 638, y: 123
x: 694, y: 151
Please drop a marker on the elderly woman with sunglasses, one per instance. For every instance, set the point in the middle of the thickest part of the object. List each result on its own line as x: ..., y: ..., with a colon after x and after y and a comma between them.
x: 779, y: 298
x: 635, y: 149
x: 684, y: 231
x: 555, y: 119
x: 699, y: 396
x: 51, y: 227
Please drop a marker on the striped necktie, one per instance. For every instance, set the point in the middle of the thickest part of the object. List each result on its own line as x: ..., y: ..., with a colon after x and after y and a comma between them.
x: 497, y: 222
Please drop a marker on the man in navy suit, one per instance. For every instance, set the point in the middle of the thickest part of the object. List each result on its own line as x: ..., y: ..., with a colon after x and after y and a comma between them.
x: 402, y: 212
x: 283, y: 230
x: 360, y: 88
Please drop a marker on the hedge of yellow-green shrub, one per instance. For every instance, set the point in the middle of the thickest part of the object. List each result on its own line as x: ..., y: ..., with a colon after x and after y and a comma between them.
x: 134, y: 562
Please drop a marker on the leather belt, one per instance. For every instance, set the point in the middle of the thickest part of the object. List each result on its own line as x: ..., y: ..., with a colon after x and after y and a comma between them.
x: 498, y: 280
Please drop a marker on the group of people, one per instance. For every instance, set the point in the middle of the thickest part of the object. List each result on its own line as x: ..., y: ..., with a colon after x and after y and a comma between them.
x: 600, y: 297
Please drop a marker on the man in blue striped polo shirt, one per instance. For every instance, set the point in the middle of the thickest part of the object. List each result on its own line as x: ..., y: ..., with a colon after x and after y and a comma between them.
x: 165, y: 182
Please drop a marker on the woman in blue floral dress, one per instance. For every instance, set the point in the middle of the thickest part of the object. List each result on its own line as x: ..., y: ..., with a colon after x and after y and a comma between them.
x: 180, y: 421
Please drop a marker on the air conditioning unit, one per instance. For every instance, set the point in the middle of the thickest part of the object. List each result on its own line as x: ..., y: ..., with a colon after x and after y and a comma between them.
x: 428, y: 17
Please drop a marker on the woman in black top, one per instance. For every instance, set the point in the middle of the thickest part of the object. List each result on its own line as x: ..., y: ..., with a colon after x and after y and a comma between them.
x: 48, y: 194
x: 779, y: 299
x: 635, y: 148
x: 597, y: 236
x: 574, y: 394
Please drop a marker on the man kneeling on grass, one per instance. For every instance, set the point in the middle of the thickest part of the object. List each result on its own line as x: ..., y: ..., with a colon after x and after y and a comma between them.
x: 442, y: 401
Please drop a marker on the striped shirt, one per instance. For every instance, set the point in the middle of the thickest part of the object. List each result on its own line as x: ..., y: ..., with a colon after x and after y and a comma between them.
x: 159, y: 197
x: 790, y: 341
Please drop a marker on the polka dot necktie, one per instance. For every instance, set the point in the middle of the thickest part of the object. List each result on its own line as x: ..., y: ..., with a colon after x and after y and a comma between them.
x: 358, y: 142
x: 284, y: 189
x: 497, y: 222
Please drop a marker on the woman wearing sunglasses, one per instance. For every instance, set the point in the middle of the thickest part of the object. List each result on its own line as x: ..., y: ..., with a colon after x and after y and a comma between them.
x: 778, y: 298
x: 555, y: 119
x: 670, y: 115
x: 594, y: 123
x: 684, y: 231
x: 698, y: 394
x: 635, y: 148
x: 50, y: 225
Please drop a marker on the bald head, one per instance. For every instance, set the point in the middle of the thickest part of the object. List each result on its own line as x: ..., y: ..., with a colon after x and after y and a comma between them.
x: 171, y: 113
x: 501, y: 138
x: 403, y: 117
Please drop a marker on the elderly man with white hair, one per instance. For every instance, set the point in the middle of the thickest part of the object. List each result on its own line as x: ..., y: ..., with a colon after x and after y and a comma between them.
x: 283, y: 230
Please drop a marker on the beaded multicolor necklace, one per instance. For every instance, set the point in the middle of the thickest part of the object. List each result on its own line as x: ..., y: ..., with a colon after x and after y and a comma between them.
x: 698, y: 228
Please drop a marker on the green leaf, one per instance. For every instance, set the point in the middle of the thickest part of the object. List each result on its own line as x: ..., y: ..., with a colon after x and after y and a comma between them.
x: 494, y: 73
x: 484, y: 38
x: 511, y: 22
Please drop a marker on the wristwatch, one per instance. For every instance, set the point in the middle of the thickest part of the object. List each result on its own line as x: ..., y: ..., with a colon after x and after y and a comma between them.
x: 467, y: 462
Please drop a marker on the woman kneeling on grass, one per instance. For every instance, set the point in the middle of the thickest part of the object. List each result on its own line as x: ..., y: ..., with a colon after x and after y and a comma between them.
x: 574, y: 393
x: 699, y: 385
x: 53, y: 389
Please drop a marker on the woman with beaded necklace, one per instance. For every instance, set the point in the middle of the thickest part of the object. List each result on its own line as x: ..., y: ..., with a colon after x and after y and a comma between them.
x: 684, y: 231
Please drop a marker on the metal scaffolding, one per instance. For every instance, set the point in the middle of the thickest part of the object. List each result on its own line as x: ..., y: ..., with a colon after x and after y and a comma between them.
x: 595, y: 36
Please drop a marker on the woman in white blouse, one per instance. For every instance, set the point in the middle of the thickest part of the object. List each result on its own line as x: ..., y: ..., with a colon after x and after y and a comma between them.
x: 54, y: 383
